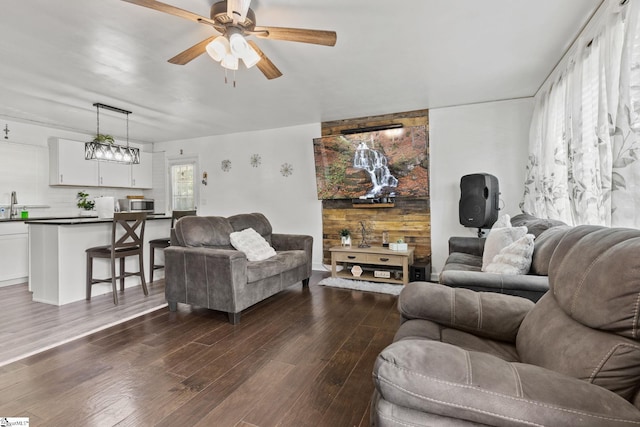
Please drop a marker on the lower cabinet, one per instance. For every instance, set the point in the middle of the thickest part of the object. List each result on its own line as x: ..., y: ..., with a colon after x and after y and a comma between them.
x: 14, y: 253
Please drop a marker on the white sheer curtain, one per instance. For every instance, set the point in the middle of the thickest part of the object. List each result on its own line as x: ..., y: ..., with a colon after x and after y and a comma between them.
x: 585, y: 133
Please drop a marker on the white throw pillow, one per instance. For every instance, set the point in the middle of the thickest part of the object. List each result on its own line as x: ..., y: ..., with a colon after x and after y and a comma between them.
x: 515, y: 258
x: 502, y: 221
x: 249, y: 241
x: 498, y: 239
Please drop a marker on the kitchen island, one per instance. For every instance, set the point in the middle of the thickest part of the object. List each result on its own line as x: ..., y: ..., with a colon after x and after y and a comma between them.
x: 57, y: 259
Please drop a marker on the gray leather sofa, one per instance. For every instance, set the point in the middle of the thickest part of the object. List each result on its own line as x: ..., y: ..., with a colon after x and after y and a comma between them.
x: 463, y: 266
x: 467, y: 358
x: 203, y: 269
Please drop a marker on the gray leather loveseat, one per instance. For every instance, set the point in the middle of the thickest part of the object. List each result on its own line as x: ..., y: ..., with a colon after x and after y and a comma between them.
x: 467, y: 358
x: 463, y: 266
x: 202, y: 268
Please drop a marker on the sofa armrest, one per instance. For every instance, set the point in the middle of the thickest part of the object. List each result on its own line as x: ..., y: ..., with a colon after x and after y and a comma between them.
x: 467, y: 245
x: 205, y: 276
x: 498, y: 282
x: 443, y: 379
x: 485, y: 314
x: 289, y: 242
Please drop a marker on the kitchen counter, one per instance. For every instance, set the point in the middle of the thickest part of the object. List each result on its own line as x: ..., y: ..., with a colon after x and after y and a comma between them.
x: 78, y: 220
x: 57, y: 258
x: 18, y: 219
x: 76, y: 217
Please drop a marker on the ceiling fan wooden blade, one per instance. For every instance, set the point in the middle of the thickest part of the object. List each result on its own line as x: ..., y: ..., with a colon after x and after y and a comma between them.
x: 322, y: 37
x: 192, y: 53
x: 171, y: 10
x: 237, y: 10
x: 265, y: 65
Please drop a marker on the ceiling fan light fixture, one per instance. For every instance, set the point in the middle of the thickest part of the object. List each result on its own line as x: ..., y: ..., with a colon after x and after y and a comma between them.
x: 238, y: 44
x: 230, y: 62
x: 251, y: 58
x: 219, y: 48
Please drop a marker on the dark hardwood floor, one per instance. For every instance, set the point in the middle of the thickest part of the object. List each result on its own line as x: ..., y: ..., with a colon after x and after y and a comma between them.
x: 301, y: 358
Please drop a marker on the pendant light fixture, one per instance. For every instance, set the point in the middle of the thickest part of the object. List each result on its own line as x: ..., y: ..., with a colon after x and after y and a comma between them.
x: 103, y: 148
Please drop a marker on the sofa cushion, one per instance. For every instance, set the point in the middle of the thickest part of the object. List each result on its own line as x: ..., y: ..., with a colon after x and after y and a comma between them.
x: 418, y: 329
x: 257, y: 221
x: 513, y: 259
x: 594, y: 274
x: 197, y: 231
x: 281, y: 262
x: 551, y: 339
x: 254, y: 246
x: 465, y: 310
x: 498, y: 239
x: 464, y: 262
x: 543, y: 248
x: 449, y: 381
x: 534, y: 224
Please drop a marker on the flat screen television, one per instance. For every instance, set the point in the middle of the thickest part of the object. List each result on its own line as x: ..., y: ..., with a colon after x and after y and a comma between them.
x: 379, y: 164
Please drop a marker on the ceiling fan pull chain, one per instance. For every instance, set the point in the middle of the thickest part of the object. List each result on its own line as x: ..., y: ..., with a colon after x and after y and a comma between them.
x: 225, y: 76
x: 234, y: 78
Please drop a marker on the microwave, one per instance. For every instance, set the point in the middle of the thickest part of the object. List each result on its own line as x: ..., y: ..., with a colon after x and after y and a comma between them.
x: 136, y: 205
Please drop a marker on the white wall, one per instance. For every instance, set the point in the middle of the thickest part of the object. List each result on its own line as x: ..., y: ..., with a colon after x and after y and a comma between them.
x: 24, y: 168
x: 290, y: 203
x: 489, y: 138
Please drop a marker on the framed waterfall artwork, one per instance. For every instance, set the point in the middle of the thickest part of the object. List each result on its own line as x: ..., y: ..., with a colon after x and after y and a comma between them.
x: 386, y: 163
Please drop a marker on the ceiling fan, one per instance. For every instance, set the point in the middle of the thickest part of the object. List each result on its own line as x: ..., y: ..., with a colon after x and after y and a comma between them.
x: 235, y: 20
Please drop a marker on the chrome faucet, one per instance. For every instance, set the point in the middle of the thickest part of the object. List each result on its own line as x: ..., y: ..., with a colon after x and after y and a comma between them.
x: 14, y: 202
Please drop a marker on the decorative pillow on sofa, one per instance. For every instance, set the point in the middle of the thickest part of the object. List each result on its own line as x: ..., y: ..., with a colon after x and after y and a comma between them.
x: 515, y: 258
x: 502, y: 221
x: 249, y: 241
x: 498, y: 239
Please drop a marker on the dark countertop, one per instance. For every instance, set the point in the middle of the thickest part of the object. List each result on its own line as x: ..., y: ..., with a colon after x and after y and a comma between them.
x: 18, y: 219
x: 78, y: 220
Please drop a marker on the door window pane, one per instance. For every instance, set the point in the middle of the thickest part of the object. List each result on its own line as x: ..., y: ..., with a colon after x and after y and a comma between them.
x: 182, y: 187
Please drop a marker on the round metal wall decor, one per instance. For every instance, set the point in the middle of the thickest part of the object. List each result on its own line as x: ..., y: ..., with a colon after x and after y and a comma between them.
x: 255, y: 160
x: 225, y: 165
x: 286, y: 169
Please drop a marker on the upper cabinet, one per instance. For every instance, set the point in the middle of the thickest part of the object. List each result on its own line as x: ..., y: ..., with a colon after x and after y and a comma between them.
x: 114, y: 174
x: 142, y: 173
x: 67, y: 166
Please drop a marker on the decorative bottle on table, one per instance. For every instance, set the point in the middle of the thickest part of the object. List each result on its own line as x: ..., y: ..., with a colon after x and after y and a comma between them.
x: 345, y: 237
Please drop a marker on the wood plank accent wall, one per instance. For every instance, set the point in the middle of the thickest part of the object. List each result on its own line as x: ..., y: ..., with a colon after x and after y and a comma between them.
x: 409, y: 118
x: 409, y: 219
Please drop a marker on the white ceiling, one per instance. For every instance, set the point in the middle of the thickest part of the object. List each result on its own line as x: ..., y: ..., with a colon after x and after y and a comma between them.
x: 57, y: 58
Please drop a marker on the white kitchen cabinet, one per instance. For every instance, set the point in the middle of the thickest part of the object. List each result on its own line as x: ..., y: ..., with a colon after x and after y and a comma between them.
x: 142, y: 173
x: 14, y: 253
x: 67, y: 165
x: 114, y: 174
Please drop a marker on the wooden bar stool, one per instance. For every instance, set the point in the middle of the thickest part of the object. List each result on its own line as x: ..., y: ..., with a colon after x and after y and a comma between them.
x: 129, y: 244
x: 163, y: 242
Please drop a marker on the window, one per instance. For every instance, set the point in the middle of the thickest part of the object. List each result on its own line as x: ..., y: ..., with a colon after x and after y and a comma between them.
x: 183, y: 191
